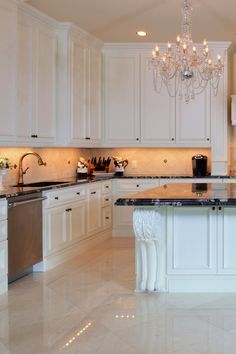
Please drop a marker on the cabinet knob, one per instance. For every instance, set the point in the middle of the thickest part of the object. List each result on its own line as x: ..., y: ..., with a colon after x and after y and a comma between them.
x: 107, y: 218
x: 137, y: 139
x: 34, y: 136
x: 137, y: 185
x: 107, y: 200
x: 172, y: 139
x: 220, y: 208
x: 56, y: 198
x: 87, y: 138
x: 93, y: 193
x: 213, y: 208
x: 208, y: 139
x: 78, y: 193
x: 107, y: 186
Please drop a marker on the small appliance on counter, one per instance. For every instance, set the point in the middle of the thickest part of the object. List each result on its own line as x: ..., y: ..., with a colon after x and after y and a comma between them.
x: 120, y: 165
x: 82, y: 169
x: 199, y: 164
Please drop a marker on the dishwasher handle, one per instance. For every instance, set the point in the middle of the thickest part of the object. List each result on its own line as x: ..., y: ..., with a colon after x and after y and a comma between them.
x: 15, y: 204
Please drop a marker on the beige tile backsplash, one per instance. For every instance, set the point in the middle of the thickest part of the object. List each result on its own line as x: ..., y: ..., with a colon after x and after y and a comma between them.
x: 156, y: 161
x: 62, y: 162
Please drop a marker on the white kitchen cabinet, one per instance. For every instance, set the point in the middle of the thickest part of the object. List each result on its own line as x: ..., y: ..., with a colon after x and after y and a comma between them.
x: 8, y: 34
x: 227, y: 240
x: 94, y: 216
x: 79, y: 87
x: 121, y: 98
x: 157, y: 109
x: 55, y: 230
x: 193, y: 120
x: 77, y: 221
x: 199, y: 234
x: 36, y: 114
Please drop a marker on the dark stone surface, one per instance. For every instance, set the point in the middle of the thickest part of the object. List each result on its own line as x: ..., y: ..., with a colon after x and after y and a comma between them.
x: 184, y: 194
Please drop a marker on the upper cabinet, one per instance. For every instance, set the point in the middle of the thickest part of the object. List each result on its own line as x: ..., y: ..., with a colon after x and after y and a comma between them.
x: 121, y: 97
x: 36, y: 106
x: 135, y: 111
x: 8, y: 20
x: 79, y: 87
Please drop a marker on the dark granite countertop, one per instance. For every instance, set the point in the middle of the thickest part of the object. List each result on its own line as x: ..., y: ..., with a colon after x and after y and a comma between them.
x: 9, y: 191
x: 184, y: 194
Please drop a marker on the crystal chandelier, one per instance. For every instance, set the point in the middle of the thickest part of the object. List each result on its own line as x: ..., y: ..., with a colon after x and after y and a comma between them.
x: 184, y: 68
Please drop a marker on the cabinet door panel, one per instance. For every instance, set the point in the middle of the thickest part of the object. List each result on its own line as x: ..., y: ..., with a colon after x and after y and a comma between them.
x: 122, y: 98
x: 94, y: 218
x: 227, y: 240
x: 78, y: 90
x: 78, y: 221
x: 45, y: 85
x: 56, y: 230
x: 8, y: 42
x: 191, y: 249
x: 193, y: 120
x: 157, y: 109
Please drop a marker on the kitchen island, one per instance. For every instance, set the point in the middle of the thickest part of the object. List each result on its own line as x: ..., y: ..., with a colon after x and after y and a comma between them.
x: 185, y: 237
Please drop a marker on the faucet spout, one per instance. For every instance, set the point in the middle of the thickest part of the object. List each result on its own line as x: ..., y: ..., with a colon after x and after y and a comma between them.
x: 21, y: 172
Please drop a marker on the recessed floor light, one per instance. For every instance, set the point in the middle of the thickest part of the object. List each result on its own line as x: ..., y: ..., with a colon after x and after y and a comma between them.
x: 141, y: 33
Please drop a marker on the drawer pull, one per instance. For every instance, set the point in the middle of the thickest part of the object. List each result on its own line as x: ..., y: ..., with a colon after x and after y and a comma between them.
x: 107, y: 200
x: 69, y: 209
x: 107, y: 186
x: 137, y: 185
x: 78, y: 193
x: 34, y: 136
x: 93, y: 193
x: 107, y: 218
x: 56, y: 198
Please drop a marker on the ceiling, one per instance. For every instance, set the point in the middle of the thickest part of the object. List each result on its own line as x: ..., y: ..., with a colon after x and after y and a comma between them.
x: 118, y: 21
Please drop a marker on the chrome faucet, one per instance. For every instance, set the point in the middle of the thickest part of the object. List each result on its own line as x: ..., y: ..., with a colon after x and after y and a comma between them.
x: 22, y: 172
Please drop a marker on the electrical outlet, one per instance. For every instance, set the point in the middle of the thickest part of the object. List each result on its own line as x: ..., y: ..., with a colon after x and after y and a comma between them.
x: 134, y: 164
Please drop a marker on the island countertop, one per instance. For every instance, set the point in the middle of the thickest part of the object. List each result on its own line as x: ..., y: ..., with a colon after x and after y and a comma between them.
x: 184, y: 194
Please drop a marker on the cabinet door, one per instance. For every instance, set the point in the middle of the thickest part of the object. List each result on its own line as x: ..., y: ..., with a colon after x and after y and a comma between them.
x: 122, y: 98
x: 45, y: 88
x: 94, y: 218
x: 193, y: 120
x: 56, y: 230
x: 79, y: 90
x: 157, y: 109
x: 227, y: 240
x: 8, y: 42
x: 191, y: 249
x: 77, y: 221
x: 94, y: 121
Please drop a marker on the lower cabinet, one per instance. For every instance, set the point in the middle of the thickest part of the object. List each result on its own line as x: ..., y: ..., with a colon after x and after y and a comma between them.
x: 3, y: 247
x: 71, y: 215
x: 201, y: 255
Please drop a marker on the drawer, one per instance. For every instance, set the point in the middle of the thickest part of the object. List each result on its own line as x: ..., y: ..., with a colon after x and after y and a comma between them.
x: 3, y: 258
x: 106, y: 187
x: 136, y: 185
x: 106, y: 217
x: 3, y: 209
x: 106, y: 200
x: 3, y: 230
x: 64, y: 195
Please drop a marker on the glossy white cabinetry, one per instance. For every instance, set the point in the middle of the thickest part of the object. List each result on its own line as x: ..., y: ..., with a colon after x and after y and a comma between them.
x: 191, y: 249
x: 121, y: 97
x: 79, y: 87
x: 157, y: 109
x: 8, y: 33
x: 36, y: 106
x: 73, y: 219
x: 3, y: 247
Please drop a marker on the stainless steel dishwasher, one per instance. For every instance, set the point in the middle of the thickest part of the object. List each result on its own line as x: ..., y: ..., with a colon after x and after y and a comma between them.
x: 24, y: 234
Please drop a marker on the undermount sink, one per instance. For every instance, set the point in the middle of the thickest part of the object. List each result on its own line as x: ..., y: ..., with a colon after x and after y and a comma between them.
x: 40, y: 184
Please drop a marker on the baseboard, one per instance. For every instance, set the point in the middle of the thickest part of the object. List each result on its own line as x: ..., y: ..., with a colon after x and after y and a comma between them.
x: 76, y: 249
x: 202, y: 284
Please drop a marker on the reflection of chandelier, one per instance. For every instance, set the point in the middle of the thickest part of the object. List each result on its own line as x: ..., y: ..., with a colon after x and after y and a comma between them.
x: 185, y: 68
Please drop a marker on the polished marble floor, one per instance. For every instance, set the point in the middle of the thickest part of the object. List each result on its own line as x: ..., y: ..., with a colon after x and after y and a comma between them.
x: 88, y: 306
